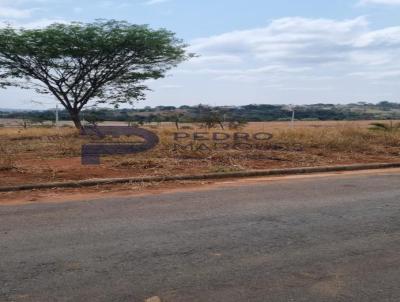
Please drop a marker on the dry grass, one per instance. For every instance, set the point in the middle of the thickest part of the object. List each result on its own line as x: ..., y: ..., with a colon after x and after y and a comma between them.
x: 40, y: 142
x: 35, y: 132
x: 346, y: 138
x: 38, y: 154
x: 302, y: 146
x: 342, y: 139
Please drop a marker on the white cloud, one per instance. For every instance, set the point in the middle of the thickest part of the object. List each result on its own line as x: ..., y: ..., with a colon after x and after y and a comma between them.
x: 377, y: 75
x: 286, y: 38
x: 218, y: 59
x: 387, y: 37
x: 296, y: 47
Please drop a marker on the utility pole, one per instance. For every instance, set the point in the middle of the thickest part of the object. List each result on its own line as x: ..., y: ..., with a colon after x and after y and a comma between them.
x: 292, y: 109
x: 293, y: 114
x: 56, y: 115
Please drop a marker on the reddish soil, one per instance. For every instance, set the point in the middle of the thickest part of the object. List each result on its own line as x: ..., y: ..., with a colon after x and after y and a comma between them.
x: 54, y: 170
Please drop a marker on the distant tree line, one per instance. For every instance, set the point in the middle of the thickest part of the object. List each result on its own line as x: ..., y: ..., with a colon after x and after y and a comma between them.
x: 216, y: 116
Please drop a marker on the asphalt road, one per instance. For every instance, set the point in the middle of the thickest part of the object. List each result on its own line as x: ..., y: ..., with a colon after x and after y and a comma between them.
x: 318, y: 239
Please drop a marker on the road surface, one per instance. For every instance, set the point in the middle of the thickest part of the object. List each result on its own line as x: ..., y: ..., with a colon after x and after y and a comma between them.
x: 313, y: 239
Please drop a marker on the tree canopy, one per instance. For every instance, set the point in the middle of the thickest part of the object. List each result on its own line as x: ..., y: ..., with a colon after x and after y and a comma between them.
x: 78, y: 63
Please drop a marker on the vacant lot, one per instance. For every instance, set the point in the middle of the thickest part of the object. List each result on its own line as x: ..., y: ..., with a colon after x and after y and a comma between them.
x: 39, y: 154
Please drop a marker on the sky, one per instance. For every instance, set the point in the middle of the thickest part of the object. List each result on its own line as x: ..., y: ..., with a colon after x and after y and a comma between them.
x: 249, y: 52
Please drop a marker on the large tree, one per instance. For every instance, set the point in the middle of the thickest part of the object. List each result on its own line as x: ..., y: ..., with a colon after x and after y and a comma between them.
x: 100, y: 62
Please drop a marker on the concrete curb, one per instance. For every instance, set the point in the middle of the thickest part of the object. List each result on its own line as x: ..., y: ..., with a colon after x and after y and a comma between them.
x: 253, y: 173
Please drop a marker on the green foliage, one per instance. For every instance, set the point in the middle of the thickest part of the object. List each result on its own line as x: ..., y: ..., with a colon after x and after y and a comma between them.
x: 234, y: 114
x: 93, y: 119
x: 209, y: 117
x: 104, y: 61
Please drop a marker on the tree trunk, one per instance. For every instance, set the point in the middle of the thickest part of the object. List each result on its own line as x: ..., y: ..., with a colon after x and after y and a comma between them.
x: 76, y: 119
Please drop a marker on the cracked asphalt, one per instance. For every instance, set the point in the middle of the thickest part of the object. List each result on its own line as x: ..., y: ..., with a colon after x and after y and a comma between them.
x: 335, y: 238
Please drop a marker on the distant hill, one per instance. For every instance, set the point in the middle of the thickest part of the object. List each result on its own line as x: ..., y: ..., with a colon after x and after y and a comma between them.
x: 251, y: 113
x: 12, y: 110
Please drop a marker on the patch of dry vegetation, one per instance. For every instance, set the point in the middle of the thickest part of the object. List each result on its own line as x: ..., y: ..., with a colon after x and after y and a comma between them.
x: 303, y: 146
x: 40, y: 142
x: 7, y: 161
x: 341, y: 139
x: 37, y: 154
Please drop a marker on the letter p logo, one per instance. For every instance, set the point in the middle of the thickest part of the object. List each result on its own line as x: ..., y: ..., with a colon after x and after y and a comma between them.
x: 91, y: 153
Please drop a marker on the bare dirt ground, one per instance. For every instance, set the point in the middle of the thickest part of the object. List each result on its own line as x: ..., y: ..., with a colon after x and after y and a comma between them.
x: 37, y: 155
